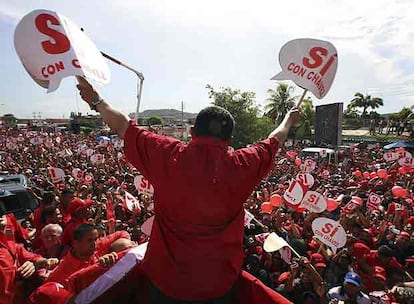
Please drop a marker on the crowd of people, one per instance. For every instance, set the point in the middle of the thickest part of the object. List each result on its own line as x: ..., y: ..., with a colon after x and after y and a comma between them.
x: 390, y: 126
x: 83, y: 221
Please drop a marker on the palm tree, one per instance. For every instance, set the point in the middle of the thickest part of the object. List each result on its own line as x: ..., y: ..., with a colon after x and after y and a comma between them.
x: 304, y: 130
x: 281, y: 101
x: 365, y: 102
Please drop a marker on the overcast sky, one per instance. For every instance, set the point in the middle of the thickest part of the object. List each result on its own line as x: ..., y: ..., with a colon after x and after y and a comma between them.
x: 182, y: 45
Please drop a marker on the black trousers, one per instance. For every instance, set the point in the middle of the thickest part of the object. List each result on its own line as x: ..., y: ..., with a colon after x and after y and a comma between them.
x: 157, y: 297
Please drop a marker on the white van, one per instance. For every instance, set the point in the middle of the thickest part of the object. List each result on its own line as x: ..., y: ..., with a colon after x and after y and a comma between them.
x: 317, y: 154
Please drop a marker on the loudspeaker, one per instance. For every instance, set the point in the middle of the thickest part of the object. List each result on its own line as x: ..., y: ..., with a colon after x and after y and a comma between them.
x: 328, y: 124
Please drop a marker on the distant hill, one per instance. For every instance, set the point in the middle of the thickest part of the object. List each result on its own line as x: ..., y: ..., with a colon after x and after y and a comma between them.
x: 165, y: 113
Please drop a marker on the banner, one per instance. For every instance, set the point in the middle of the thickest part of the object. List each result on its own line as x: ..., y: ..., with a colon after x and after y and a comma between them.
x: 51, y: 48
x: 329, y: 232
x: 390, y: 156
x: 310, y: 64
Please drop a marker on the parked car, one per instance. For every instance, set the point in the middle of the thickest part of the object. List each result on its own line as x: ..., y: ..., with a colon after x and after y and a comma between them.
x: 15, y: 195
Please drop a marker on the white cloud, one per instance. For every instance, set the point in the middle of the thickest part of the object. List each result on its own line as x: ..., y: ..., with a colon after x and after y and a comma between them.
x: 182, y: 45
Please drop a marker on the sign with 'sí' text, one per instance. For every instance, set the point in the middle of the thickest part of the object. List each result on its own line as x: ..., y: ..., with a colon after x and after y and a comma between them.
x: 310, y: 64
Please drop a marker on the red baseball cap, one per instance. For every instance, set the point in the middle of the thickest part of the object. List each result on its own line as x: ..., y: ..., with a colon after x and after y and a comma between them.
x: 404, y: 234
x: 379, y: 273
x: 77, y: 204
x: 318, y: 260
x: 283, y: 277
x: 50, y: 293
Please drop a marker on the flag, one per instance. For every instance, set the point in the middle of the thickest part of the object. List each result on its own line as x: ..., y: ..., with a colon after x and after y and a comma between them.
x: 131, y: 203
x: 248, y: 217
x: 274, y: 242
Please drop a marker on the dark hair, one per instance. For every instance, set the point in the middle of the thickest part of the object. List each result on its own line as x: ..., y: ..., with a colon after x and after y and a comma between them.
x: 81, y: 230
x: 214, y: 121
x: 386, y: 251
x: 67, y: 191
x: 47, y: 212
x: 48, y: 197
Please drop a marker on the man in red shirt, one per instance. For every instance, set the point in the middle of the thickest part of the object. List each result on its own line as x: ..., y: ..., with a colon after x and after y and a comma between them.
x: 195, y: 251
x: 66, y: 197
x: 382, y: 257
x: 79, y: 211
x: 16, y: 262
x: 86, y: 251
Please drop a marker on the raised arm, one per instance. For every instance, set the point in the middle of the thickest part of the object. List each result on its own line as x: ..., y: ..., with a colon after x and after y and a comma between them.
x: 117, y: 121
x: 292, y: 118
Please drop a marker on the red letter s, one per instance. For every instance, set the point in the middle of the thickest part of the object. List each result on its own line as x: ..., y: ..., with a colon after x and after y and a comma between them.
x: 62, y: 43
x: 327, y: 228
x: 316, y: 54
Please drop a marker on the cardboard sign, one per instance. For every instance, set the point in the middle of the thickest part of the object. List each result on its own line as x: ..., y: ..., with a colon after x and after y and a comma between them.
x: 390, y: 156
x: 56, y: 174
x: 404, y: 154
x: 310, y: 64
x: 351, y: 206
x: 65, y: 153
x: 97, y: 159
x: 36, y: 140
x: 329, y: 232
x: 88, y: 179
x: 143, y: 185
x: 306, y: 179
x: 78, y: 174
x: 51, y: 48
x: 294, y: 194
x: 314, y: 202
x: 309, y: 165
x: 374, y: 201
x: 406, y: 162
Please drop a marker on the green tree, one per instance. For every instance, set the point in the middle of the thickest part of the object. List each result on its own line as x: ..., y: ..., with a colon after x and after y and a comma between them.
x: 281, y: 100
x: 304, y: 130
x: 154, y: 120
x: 365, y: 102
x: 9, y: 120
x: 249, y: 126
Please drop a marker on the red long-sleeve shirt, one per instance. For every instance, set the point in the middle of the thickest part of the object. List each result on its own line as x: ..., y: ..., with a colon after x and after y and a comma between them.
x: 12, y: 256
x: 195, y: 251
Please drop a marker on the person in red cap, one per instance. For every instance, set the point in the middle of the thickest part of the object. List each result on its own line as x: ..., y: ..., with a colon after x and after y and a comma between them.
x: 195, y: 251
x: 16, y: 263
x: 79, y: 212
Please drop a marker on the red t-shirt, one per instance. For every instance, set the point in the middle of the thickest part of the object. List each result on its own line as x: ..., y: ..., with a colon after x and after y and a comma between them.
x: 373, y: 260
x: 195, y: 251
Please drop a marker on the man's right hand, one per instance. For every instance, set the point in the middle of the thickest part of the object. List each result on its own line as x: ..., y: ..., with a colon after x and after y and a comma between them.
x: 293, y: 116
x: 86, y: 90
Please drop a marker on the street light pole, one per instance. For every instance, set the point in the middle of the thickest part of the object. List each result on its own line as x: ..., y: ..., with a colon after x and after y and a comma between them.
x: 140, y: 81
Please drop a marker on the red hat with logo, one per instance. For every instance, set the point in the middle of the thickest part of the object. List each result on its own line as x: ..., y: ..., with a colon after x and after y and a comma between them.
x: 77, y: 204
x: 379, y: 273
x: 318, y: 260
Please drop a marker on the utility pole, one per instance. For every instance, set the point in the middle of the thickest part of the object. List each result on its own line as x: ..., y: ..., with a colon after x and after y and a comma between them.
x: 182, y: 120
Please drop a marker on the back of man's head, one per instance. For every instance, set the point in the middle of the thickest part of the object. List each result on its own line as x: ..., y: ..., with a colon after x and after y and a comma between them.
x: 215, y: 122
